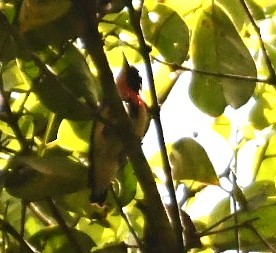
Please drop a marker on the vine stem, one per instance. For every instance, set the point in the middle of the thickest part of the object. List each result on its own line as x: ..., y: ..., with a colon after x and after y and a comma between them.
x: 144, y: 50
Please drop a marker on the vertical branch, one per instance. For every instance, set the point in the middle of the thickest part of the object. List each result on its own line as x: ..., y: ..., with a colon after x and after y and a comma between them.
x: 155, y: 216
x: 11, y: 119
x: 144, y: 50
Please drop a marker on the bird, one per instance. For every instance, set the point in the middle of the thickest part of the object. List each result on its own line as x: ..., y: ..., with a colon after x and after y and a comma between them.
x: 108, y: 151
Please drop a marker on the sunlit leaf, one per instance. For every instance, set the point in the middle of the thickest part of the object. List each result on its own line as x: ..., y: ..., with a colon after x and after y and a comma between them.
x: 74, y: 135
x: 222, y: 125
x: 164, y: 82
x: 190, y: 161
x: 222, y: 52
x: 53, y: 240
x: 50, y: 176
x: 263, y: 113
x: 12, y: 77
x: 160, y: 27
x: 266, y: 169
x: 26, y: 126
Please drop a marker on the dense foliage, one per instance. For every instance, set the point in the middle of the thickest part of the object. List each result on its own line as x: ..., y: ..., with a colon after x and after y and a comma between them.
x: 63, y: 126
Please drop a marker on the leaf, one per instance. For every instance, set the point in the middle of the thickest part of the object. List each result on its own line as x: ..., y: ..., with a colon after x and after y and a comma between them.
x: 73, y: 70
x: 49, y: 176
x: 263, y: 113
x: 248, y: 240
x: 223, y: 126
x: 79, y: 203
x: 160, y: 27
x: 74, y: 135
x: 53, y: 240
x: 113, y: 248
x: 35, y: 13
x: 261, y: 201
x: 164, y: 82
x: 267, y: 170
x: 190, y: 161
x: 8, y: 46
x: 128, y: 184
x: 222, y: 52
x: 56, y: 96
x: 26, y: 125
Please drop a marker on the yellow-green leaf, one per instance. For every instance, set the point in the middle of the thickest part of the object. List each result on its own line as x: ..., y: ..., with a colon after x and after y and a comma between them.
x: 190, y: 161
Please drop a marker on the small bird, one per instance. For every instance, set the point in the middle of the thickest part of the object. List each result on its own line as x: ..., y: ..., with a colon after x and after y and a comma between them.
x: 108, y: 154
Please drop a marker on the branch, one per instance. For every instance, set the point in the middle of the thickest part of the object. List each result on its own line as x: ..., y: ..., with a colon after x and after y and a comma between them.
x: 144, y: 50
x: 218, y: 75
x: 7, y: 227
x: 159, y: 225
x: 271, y: 70
x: 71, y: 239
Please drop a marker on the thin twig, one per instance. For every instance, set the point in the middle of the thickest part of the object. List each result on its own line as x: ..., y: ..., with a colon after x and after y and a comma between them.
x: 124, y: 216
x: 219, y: 75
x: 7, y: 227
x: 59, y: 219
x: 261, y: 238
x: 40, y: 215
x: 144, y: 50
x: 244, y: 224
x: 257, y: 30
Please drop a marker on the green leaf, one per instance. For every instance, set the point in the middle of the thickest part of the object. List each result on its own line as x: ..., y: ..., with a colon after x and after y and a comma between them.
x: 56, y: 96
x: 73, y: 70
x: 128, y: 184
x: 25, y: 124
x: 260, y: 197
x: 237, y: 12
x: 12, y: 77
x: 267, y: 170
x: 35, y: 13
x: 164, y: 82
x: 223, y: 126
x: 74, y: 135
x: 49, y: 176
x: 263, y: 112
x: 8, y: 46
x: 190, y: 161
x: 222, y: 52
x: 113, y: 248
x: 160, y: 27
x: 79, y: 203
x: 53, y: 240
